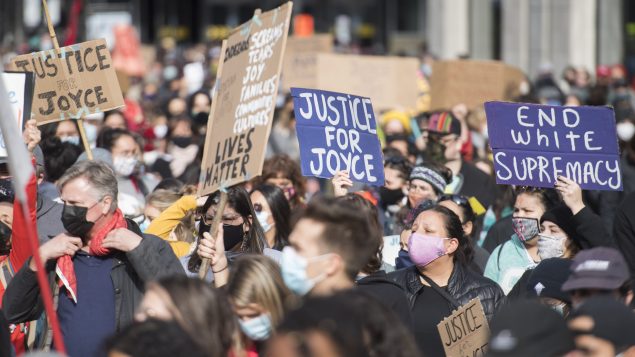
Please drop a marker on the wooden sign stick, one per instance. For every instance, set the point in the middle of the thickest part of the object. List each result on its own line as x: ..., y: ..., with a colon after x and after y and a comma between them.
x: 218, y: 217
x: 56, y: 45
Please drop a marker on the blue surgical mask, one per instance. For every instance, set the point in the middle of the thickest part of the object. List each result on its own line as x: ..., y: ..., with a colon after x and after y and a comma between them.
x: 258, y: 328
x: 558, y: 308
x: 144, y: 225
x: 263, y: 219
x: 293, y: 268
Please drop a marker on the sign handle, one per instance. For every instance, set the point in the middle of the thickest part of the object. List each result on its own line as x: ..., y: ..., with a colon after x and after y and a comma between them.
x: 202, y: 272
x: 82, y: 134
x: 80, y: 121
x: 50, y: 26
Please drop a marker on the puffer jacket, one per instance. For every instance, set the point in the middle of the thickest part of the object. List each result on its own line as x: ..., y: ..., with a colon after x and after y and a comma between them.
x: 463, y: 285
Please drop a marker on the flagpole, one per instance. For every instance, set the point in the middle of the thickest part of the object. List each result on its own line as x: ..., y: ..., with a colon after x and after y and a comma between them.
x: 202, y: 271
x: 80, y: 121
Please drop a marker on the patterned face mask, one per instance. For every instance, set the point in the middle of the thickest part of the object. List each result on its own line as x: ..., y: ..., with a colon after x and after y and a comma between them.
x: 550, y: 246
x: 525, y: 228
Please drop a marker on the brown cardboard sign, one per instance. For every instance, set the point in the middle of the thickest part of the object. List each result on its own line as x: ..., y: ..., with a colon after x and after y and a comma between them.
x: 71, y: 83
x: 244, y: 99
x: 472, y: 83
x: 299, y: 68
x: 466, y: 331
x: 390, y: 82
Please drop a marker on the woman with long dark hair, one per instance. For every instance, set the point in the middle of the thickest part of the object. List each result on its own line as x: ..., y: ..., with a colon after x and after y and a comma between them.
x: 273, y: 213
x: 241, y: 232
x: 440, y: 280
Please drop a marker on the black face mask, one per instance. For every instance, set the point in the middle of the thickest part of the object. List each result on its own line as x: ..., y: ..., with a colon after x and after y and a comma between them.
x: 5, y: 239
x: 390, y: 197
x: 232, y: 235
x: 74, y: 221
x: 182, y: 141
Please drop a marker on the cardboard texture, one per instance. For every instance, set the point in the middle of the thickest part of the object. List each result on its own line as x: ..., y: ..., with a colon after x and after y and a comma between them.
x: 299, y: 68
x: 466, y: 331
x: 72, y: 83
x: 390, y: 82
x: 244, y: 100
x: 472, y: 83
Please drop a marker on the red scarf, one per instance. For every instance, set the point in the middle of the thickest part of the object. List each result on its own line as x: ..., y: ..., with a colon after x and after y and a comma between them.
x: 65, y: 269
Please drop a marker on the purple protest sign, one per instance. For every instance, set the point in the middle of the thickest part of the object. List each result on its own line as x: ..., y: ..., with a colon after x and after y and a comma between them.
x: 337, y: 131
x: 534, y: 144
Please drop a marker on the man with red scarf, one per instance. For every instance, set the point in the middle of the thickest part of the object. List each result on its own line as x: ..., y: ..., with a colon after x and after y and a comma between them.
x: 97, y: 268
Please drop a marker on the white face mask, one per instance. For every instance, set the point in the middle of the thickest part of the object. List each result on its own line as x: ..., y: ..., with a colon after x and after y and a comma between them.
x: 625, y: 130
x: 160, y: 131
x: 263, y: 219
x: 550, y: 246
x: 124, y: 166
x: 91, y: 132
x: 70, y: 139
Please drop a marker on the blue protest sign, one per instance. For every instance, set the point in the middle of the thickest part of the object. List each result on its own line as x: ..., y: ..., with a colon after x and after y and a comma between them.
x: 337, y: 132
x: 534, y: 144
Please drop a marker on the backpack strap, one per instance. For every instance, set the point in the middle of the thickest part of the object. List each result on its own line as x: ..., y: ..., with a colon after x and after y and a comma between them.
x: 454, y: 302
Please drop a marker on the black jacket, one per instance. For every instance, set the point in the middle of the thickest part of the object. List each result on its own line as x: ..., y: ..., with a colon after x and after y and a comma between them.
x: 151, y: 260
x: 464, y: 285
x: 388, y: 293
x: 478, y: 184
x: 624, y: 230
x: 499, y: 233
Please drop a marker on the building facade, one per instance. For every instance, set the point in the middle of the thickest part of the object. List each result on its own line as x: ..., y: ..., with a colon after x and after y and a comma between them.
x: 526, y: 33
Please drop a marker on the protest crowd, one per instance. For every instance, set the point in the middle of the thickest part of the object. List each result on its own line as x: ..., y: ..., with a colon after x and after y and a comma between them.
x: 413, y: 245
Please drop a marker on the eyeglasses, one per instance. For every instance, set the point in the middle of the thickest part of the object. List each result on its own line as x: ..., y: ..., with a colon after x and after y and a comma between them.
x: 458, y: 199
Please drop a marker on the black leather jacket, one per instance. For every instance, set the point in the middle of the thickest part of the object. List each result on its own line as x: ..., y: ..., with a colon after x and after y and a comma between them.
x: 464, y: 285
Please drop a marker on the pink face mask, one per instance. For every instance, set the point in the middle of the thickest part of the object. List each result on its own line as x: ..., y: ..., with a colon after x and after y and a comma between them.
x: 424, y: 249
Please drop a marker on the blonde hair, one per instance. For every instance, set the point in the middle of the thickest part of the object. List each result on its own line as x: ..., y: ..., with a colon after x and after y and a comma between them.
x: 162, y: 199
x: 256, y: 279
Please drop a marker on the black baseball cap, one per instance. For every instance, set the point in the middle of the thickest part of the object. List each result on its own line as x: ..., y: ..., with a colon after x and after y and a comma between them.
x: 527, y: 328
x: 547, y: 278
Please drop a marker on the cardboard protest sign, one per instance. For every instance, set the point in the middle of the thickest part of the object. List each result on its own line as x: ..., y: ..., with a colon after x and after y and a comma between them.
x: 466, y: 331
x: 390, y: 81
x: 75, y: 81
x: 534, y: 144
x: 19, y: 87
x: 337, y: 131
x: 299, y: 68
x: 472, y: 83
x: 243, y: 100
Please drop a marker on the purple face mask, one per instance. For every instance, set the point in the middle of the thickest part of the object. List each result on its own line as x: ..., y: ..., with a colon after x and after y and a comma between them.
x: 424, y: 249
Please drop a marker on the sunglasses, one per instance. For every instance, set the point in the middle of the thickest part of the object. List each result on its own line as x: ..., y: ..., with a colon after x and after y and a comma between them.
x: 458, y: 199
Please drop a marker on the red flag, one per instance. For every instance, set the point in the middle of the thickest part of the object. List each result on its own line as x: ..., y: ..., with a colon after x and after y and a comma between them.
x: 73, y: 23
